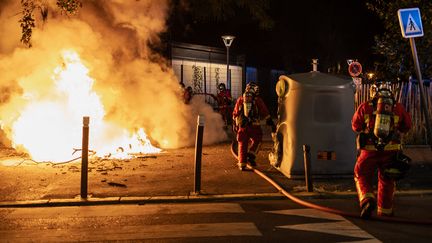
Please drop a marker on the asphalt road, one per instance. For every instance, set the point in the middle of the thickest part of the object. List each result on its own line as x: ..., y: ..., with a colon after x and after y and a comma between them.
x: 237, y: 221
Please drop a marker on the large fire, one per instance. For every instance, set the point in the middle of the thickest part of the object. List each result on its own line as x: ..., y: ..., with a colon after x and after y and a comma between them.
x: 96, y: 63
x: 57, y: 117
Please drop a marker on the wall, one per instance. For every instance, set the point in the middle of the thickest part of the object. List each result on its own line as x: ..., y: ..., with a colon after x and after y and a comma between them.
x: 196, y: 72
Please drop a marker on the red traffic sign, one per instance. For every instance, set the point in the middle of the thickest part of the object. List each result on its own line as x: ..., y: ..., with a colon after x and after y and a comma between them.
x: 355, y: 69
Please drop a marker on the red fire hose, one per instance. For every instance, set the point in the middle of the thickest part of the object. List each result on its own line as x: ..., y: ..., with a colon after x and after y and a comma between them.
x: 327, y: 209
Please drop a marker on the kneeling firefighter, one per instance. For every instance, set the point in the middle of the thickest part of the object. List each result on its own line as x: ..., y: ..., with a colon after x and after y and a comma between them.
x: 248, y: 111
x: 379, y: 123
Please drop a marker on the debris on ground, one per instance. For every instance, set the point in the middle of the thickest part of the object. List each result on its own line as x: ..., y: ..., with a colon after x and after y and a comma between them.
x: 147, y: 157
x: 73, y: 168
x: 116, y: 184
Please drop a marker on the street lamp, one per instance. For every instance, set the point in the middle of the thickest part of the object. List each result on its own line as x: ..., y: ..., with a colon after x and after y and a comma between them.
x: 228, y: 39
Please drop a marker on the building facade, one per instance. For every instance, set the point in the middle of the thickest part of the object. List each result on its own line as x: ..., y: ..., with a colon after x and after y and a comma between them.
x: 203, y: 68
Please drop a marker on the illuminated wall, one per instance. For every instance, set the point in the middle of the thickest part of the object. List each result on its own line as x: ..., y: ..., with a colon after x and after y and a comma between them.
x: 204, y: 77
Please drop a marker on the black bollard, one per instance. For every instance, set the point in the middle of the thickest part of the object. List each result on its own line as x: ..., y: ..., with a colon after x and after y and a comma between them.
x: 307, y: 167
x: 84, y: 157
x: 198, y: 153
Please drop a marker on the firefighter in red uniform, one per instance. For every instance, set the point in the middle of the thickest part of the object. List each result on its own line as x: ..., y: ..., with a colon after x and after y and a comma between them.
x: 248, y: 111
x: 187, y: 95
x: 379, y: 123
x: 224, y: 100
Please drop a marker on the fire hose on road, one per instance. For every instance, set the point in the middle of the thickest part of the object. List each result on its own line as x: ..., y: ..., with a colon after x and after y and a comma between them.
x: 327, y: 209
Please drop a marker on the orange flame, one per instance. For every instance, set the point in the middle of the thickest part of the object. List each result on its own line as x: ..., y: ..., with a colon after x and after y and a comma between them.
x: 50, y: 128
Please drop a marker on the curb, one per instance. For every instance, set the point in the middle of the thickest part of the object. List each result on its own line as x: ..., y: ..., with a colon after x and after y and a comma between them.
x: 139, y: 200
x: 190, y: 198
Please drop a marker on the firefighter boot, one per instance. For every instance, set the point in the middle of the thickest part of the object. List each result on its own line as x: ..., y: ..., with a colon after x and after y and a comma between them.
x: 367, y: 208
x: 251, y: 159
x: 241, y: 166
x: 385, y: 212
x: 381, y: 214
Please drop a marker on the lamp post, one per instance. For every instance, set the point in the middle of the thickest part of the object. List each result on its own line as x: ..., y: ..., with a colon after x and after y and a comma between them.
x: 228, y: 39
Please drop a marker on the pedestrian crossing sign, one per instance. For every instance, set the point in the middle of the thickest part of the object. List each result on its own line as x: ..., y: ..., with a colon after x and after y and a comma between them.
x: 410, y: 22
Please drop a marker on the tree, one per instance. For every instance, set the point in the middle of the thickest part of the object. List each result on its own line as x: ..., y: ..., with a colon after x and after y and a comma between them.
x: 27, y: 21
x: 188, y: 18
x: 197, y: 10
x: 395, y: 52
x: 222, y: 10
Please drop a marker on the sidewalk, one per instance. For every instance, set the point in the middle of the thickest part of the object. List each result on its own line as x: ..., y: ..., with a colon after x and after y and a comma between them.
x: 169, y: 176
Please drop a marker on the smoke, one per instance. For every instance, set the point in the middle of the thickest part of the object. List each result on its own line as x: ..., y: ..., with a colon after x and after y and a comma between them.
x: 137, y: 87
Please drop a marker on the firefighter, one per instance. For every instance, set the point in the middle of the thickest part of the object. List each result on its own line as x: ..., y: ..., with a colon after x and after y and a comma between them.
x: 187, y: 95
x: 224, y: 100
x: 248, y: 111
x: 379, y: 123
x: 252, y: 86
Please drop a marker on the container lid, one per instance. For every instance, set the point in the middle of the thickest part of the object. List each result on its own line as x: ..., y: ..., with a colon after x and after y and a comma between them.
x: 319, y: 79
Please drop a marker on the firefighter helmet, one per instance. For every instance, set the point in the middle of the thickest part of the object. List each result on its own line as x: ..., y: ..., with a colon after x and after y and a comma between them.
x: 252, y: 86
x: 398, y: 168
x: 373, y: 90
x: 380, y: 88
x: 221, y: 87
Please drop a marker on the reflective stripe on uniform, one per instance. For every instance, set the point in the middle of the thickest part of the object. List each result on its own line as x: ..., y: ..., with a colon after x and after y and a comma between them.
x: 395, y: 119
x: 360, y: 193
x: 241, y: 164
x: 387, y: 147
x: 366, y: 195
x: 385, y: 211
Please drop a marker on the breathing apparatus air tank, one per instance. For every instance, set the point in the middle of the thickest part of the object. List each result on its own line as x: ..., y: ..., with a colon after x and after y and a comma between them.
x: 384, y: 114
x: 247, y: 103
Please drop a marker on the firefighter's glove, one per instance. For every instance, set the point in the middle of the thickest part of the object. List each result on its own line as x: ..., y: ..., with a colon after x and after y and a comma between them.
x: 398, y: 167
x: 270, y: 123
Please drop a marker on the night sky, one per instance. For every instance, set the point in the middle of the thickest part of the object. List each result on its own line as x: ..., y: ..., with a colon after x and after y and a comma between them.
x: 330, y: 30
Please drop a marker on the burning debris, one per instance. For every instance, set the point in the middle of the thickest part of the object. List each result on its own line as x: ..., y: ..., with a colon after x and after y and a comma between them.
x: 97, y: 64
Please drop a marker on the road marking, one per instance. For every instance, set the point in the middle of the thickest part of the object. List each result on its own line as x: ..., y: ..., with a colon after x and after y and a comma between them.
x: 344, y: 228
x: 127, y: 210
x: 310, y: 213
x: 134, y: 232
x: 341, y: 227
